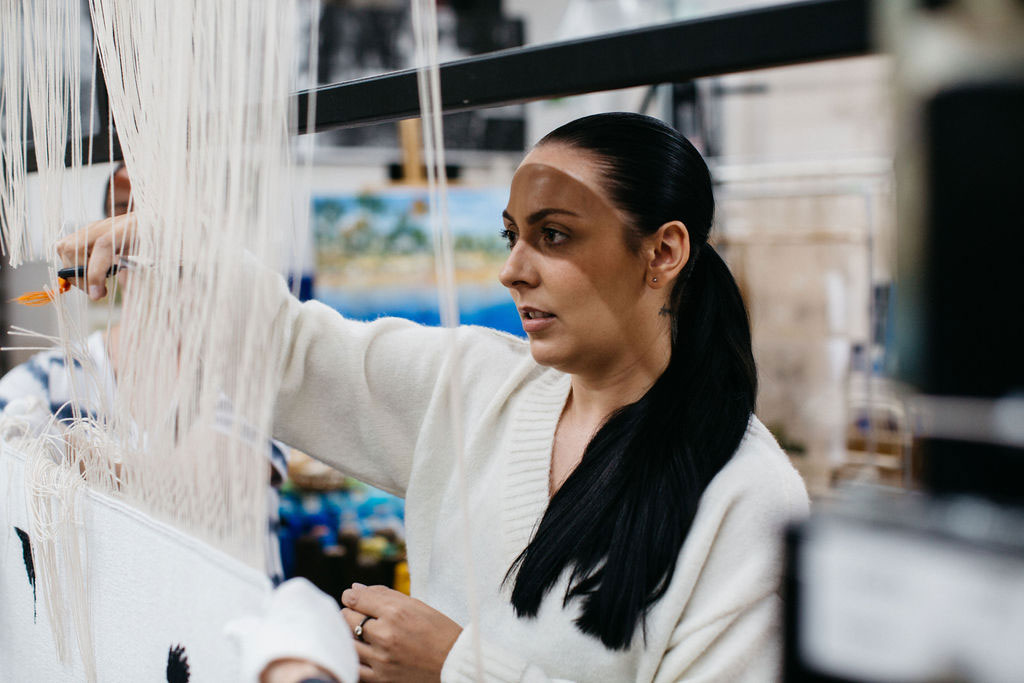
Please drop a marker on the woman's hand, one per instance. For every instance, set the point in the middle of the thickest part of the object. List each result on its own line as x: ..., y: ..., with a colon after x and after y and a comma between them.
x: 99, y: 245
x: 404, y: 639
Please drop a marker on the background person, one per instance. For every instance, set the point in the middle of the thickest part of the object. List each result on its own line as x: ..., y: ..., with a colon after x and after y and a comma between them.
x: 45, y: 385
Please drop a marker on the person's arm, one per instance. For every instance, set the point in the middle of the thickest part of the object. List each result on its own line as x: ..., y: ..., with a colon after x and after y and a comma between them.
x: 742, y: 646
x: 731, y: 626
x: 355, y: 395
x: 360, y: 396
x: 498, y: 664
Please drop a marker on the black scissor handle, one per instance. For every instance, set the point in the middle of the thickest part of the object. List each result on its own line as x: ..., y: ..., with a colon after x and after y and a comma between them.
x: 76, y: 272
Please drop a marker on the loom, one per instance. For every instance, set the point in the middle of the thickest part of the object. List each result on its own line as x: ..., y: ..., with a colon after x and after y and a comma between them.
x: 200, y: 110
x: 160, y: 490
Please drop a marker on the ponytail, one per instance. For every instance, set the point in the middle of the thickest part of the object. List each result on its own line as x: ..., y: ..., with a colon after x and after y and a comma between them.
x: 712, y: 372
x: 619, y: 521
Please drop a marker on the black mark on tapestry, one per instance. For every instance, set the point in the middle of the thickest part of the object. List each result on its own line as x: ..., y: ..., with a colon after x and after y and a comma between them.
x: 30, y: 568
x: 177, y: 665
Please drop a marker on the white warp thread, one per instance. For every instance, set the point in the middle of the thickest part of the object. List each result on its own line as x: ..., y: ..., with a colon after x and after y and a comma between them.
x: 199, y: 93
x: 58, y: 555
x: 39, y: 56
x: 12, y: 121
x: 425, y: 33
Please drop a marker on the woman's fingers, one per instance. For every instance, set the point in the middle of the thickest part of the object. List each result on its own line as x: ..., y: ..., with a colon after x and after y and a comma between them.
x: 354, y: 619
x: 365, y: 653
x: 99, y: 245
x: 351, y: 617
x: 74, y: 249
x: 376, y: 601
x: 364, y: 650
x: 368, y: 658
x: 100, y: 260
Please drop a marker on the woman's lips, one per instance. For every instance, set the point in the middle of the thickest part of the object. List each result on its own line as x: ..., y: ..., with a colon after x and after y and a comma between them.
x: 535, y: 320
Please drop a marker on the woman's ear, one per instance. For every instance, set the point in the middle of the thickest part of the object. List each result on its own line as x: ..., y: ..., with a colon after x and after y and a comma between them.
x: 667, y: 252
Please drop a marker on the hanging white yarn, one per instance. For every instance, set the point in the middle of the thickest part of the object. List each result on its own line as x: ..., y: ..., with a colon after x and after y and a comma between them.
x: 57, y: 552
x: 425, y: 33
x: 12, y: 121
x: 53, y: 74
x: 41, y: 76
x: 40, y: 53
x: 304, y: 192
x: 199, y: 92
x: 201, y: 108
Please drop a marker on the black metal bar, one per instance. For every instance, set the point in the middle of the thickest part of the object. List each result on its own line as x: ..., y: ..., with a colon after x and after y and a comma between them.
x: 674, y: 52
x: 102, y: 95
x: 101, y: 149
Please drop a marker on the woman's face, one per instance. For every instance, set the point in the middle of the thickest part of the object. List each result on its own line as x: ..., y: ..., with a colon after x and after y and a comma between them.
x: 577, y: 285
x: 121, y: 186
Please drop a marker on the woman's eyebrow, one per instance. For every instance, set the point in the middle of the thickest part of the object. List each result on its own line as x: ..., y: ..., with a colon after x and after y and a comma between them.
x: 540, y: 215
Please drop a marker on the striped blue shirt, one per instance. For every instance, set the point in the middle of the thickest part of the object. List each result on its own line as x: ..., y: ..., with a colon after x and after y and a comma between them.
x: 46, y: 381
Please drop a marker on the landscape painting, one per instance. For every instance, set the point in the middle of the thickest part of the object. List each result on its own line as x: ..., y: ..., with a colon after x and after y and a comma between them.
x: 374, y: 256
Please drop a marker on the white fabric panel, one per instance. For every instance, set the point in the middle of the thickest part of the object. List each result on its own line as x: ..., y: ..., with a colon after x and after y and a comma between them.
x: 151, y: 588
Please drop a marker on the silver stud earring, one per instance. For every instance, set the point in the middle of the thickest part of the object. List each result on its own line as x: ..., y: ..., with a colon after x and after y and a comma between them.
x: 654, y: 279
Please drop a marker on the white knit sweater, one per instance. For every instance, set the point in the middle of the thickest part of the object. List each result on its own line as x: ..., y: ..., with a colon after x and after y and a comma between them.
x: 372, y: 399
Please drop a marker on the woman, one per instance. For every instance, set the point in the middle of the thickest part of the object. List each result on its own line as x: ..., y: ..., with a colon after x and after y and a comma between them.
x: 625, y: 504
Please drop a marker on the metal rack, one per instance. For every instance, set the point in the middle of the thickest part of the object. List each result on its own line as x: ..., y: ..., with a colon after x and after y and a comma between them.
x: 673, y: 52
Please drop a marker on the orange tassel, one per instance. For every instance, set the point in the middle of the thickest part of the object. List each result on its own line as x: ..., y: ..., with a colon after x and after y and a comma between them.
x: 43, y: 297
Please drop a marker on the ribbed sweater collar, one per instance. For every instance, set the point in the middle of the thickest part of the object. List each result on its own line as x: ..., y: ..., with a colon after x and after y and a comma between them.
x: 528, y: 460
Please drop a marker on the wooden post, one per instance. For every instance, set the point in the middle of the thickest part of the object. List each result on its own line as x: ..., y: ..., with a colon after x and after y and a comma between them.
x: 410, y: 136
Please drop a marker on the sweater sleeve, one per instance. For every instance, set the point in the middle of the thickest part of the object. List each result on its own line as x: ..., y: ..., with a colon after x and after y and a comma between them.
x: 730, y: 629
x: 742, y: 647
x: 722, y: 615
x: 356, y: 395
x: 740, y: 643
x: 498, y: 664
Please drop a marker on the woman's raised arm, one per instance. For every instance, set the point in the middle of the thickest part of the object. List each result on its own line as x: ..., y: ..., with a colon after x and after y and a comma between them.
x: 359, y: 396
x: 365, y: 397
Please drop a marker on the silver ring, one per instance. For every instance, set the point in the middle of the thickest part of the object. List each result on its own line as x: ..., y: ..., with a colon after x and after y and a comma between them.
x: 358, y: 630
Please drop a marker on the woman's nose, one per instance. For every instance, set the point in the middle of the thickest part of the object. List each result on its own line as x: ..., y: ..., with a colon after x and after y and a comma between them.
x: 518, y: 269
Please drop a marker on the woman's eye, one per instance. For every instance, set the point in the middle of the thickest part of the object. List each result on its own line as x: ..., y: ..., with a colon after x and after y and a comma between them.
x: 509, y: 236
x: 552, y: 236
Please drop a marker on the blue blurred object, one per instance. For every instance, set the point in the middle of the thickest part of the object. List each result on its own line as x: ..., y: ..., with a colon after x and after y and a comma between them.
x: 305, y: 288
x: 492, y: 307
x: 358, y: 509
